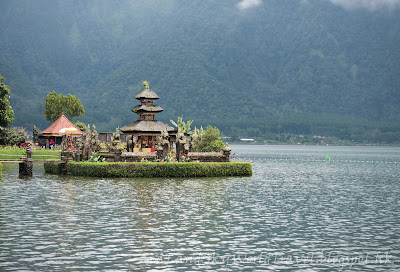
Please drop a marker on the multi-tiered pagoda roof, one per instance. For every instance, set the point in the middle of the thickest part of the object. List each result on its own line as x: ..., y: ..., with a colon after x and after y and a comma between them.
x: 146, y: 125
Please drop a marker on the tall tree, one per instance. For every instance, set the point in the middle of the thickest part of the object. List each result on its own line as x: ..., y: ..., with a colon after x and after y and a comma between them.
x: 55, y: 105
x: 6, y: 111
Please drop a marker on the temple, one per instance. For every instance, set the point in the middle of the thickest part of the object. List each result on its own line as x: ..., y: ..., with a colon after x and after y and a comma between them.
x: 142, y: 133
x: 53, y: 131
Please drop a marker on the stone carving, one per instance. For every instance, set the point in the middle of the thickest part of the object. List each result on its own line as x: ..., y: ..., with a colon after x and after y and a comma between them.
x: 26, y: 167
x: 226, y: 151
x: 163, y: 145
x: 180, y: 145
x: 29, y: 152
x: 94, y: 140
x: 64, y: 143
x: 116, y: 141
x: 84, y: 144
x: 35, y: 134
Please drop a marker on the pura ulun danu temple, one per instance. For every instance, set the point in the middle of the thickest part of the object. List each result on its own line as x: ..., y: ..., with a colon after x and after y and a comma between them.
x: 142, y: 134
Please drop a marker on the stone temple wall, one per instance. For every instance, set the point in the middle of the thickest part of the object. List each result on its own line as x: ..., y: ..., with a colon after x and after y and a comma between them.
x: 207, y: 156
x: 139, y: 156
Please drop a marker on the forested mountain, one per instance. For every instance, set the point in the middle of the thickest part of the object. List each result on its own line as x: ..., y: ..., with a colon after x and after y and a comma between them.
x: 280, y: 66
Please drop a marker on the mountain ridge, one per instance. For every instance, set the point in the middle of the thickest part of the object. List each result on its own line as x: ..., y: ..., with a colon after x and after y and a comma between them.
x: 282, y: 67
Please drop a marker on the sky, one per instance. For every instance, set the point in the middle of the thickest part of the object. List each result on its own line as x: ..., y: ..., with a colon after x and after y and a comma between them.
x: 371, y: 5
x: 246, y: 4
x: 367, y: 4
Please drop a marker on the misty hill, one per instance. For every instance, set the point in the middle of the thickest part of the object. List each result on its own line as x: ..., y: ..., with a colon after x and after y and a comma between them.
x: 284, y: 66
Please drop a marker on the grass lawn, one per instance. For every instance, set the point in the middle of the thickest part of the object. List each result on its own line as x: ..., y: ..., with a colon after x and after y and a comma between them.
x: 14, y: 153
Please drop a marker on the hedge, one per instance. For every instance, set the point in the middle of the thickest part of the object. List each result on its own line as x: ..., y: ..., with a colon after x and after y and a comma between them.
x: 52, y: 167
x: 154, y: 169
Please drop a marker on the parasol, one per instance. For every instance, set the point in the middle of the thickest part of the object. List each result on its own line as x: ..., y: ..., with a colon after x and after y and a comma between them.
x: 69, y: 131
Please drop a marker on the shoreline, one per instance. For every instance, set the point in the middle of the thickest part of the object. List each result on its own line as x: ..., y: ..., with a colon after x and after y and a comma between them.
x: 311, y: 144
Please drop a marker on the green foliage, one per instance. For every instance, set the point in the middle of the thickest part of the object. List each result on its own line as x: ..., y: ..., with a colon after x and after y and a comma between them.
x: 103, y: 147
x: 52, y: 107
x: 168, y: 158
x: 80, y: 125
x: 6, y: 111
x: 55, y: 105
x: 95, y: 157
x: 13, y: 136
x: 52, y: 168
x: 208, y: 140
x: 246, y: 72
x: 160, y: 169
x: 184, y: 126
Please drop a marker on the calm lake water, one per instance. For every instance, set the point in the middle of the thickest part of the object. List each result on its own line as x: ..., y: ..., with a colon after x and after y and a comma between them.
x: 298, y: 212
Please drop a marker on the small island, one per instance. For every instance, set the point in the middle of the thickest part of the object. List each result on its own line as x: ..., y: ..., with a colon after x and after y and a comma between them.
x: 151, y: 149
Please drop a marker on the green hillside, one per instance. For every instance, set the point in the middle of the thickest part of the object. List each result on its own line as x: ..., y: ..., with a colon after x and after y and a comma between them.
x: 285, y: 66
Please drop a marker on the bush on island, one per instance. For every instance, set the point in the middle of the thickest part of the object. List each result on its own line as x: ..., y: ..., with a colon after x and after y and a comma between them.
x: 208, y: 140
x: 150, y: 170
x: 52, y: 168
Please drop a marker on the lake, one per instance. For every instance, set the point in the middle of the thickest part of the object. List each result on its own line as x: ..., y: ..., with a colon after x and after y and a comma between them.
x: 302, y: 210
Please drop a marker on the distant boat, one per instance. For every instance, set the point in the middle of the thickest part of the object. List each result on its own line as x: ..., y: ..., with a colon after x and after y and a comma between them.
x: 247, y: 140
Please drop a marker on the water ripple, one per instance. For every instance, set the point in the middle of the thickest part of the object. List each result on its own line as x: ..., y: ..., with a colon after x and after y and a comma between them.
x: 302, y: 214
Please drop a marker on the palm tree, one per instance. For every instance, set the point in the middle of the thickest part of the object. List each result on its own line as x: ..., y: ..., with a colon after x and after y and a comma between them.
x: 184, y: 127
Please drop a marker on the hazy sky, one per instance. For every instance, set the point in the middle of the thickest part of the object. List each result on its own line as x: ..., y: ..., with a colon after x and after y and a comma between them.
x: 367, y: 4
x: 245, y: 4
x: 347, y: 4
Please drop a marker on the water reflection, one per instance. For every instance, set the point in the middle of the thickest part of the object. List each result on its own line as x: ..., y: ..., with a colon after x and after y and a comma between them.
x: 293, y: 214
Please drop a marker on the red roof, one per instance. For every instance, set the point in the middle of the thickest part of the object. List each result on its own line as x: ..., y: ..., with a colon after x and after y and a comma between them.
x: 60, y: 123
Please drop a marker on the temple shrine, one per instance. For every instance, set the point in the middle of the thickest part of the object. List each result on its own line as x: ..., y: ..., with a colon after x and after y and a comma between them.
x: 54, y: 131
x: 142, y: 133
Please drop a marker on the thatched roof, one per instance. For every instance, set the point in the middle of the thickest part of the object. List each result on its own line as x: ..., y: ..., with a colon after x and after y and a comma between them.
x: 60, y: 123
x: 145, y: 108
x: 146, y: 126
x: 147, y: 93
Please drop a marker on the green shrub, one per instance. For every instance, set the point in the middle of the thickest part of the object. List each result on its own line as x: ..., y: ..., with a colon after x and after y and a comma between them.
x: 80, y: 125
x: 198, y: 169
x: 13, y: 136
x: 96, y: 158
x: 207, y: 140
x: 52, y: 168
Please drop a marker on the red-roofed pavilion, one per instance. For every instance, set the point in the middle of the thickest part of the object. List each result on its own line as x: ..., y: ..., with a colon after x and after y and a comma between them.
x: 53, y: 131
